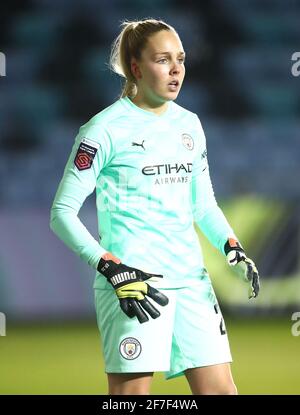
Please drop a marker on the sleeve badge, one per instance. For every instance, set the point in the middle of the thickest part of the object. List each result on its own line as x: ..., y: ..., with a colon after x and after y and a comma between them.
x: 85, y: 154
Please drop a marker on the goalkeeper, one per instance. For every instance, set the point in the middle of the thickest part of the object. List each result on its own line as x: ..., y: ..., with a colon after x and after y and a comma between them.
x: 146, y: 157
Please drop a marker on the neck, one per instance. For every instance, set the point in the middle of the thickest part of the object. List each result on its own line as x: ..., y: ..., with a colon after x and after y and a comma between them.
x: 149, y: 105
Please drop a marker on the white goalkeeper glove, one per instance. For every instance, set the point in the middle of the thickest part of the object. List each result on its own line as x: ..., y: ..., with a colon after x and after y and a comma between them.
x: 242, y: 265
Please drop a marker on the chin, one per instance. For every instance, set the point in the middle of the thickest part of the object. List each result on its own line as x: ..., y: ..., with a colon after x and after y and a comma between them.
x: 170, y: 96
x: 173, y: 96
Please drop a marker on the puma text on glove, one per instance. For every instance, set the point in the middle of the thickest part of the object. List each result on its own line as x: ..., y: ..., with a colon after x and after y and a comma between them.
x: 131, y: 289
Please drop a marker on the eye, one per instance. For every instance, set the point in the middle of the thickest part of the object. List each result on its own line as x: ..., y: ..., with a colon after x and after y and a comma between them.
x: 163, y: 59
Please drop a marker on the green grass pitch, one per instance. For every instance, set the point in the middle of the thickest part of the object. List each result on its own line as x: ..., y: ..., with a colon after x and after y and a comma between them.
x: 67, y: 359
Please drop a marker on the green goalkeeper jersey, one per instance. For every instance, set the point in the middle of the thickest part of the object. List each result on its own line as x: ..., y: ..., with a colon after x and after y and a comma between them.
x: 152, y: 183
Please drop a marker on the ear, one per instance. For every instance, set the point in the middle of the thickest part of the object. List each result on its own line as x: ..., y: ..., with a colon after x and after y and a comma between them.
x: 135, y: 69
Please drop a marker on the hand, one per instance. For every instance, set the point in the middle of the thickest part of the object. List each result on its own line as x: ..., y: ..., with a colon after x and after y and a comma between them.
x: 131, y: 289
x: 243, y: 265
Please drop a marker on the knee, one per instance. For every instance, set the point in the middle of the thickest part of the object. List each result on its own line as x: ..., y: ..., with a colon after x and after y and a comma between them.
x: 129, y: 383
x: 128, y: 391
x: 230, y: 390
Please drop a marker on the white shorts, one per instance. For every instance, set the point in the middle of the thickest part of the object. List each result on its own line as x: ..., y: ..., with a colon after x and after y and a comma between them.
x: 190, y: 332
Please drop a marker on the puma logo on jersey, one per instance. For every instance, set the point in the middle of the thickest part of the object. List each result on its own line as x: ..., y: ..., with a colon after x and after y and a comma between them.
x: 123, y: 276
x: 137, y: 144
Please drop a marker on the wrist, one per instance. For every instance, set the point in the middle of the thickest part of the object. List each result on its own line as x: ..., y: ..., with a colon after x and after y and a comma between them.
x: 106, y: 263
x: 232, y: 244
x: 108, y: 256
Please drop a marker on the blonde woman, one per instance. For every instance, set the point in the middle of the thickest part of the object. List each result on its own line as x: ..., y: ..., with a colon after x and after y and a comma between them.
x: 146, y: 156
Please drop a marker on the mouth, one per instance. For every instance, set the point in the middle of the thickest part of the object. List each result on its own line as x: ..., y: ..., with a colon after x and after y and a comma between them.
x: 173, y: 85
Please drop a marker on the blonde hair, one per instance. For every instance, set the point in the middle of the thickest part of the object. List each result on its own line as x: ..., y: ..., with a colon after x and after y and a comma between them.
x: 130, y: 43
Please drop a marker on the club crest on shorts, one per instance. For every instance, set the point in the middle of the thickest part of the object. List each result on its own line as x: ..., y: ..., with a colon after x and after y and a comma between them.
x: 130, y: 348
x: 187, y: 141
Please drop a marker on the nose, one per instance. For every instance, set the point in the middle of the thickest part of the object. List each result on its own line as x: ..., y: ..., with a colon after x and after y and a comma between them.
x: 175, y: 69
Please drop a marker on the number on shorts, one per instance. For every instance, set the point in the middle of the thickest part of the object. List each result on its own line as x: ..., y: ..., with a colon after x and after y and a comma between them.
x: 222, y: 325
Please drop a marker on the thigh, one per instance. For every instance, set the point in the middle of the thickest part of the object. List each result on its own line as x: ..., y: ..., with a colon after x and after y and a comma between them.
x: 211, y: 380
x: 200, y: 337
x: 199, y: 319
x: 129, y: 383
x: 129, y: 346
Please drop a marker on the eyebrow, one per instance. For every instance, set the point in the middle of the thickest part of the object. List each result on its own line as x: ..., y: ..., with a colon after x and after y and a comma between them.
x: 167, y: 53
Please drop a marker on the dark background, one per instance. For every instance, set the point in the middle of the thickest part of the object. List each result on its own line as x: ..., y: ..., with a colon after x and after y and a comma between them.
x: 240, y: 83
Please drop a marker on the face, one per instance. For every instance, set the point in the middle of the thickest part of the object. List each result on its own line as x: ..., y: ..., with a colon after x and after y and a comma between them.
x: 160, y: 71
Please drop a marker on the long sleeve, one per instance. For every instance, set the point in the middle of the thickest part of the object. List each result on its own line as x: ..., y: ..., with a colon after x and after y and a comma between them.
x: 91, y: 152
x: 207, y: 214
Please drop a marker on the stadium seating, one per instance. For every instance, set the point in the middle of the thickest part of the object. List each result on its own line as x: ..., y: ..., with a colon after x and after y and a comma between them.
x: 238, y: 81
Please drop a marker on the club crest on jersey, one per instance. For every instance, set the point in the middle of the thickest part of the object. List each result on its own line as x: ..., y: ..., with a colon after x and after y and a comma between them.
x: 187, y: 141
x: 130, y: 348
x: 85, y: 154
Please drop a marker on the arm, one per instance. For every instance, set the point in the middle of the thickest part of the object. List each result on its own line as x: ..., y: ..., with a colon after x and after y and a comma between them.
x: 212, y: 222
x: 90, y: 153
x: 207, y: 214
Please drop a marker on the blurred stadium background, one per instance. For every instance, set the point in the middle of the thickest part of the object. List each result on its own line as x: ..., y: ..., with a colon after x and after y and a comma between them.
x: 240, y: 84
